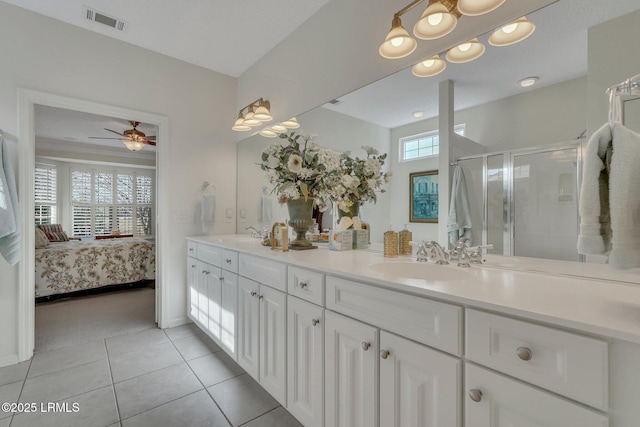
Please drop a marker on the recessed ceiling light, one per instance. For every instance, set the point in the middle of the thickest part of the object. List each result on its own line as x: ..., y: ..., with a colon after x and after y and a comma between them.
x: 418, y: 114
x: 528, y: 81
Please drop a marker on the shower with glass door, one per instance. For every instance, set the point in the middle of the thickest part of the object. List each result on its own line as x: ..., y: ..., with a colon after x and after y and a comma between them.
x: 525, y: 202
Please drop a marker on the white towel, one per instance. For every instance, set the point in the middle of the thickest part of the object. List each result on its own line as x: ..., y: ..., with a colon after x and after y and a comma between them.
x: 10, y: 222
x: 624, y: 199
x: 609, y: 197
x: 459, y: 222
x: 595, y: 222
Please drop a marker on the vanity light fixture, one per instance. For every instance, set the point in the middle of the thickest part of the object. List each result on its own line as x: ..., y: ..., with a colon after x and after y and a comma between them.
x: 437, y: 20
x: 478, y: 7
x: 268, y: 133
x: 398, y: 42
x: 512, y: 33
x: 252, y: 115
x: 465, y: 52
x: 528, y: 81
x: 429, y: 67
x: 278, y: 128
x: 292, y: 123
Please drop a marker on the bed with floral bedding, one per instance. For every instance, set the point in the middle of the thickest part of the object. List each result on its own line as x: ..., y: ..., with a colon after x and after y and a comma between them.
x: 71, y: 266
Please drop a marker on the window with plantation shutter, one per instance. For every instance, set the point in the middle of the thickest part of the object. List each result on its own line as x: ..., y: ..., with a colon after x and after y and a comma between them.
x: 105, y: 201
x: 45, y: 194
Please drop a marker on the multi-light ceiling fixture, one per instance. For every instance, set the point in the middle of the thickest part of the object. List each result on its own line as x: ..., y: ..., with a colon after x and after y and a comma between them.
x: 256, y: 114
x: 439, y: 19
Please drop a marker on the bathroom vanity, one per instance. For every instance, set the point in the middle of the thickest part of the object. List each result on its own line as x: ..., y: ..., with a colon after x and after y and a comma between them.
x: 354, y: 339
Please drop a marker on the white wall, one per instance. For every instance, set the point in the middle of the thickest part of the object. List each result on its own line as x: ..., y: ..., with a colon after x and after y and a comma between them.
x: 45, y: 55
x: 334, y: 130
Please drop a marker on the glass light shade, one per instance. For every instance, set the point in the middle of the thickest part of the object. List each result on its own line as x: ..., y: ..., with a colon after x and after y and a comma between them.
x: 278, y: 128
x: 398, y: 43
x: 429, y: 67
x: 239, y: 126
x: 249, y: 120
x: 268, y: 133
x: 263, y: 114
x: 513, y: 32
x: 436, y: 22
x: 465, y: 52
x: 478, y: 7
x: 292, y: 123
x: 133, y: 145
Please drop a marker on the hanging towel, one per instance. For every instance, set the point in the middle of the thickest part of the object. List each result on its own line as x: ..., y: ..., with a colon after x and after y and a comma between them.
x: 624, y: 199
x: 459, y: 222
x: 595, y: 221
x: 208, y: 207
x: 10, y: 222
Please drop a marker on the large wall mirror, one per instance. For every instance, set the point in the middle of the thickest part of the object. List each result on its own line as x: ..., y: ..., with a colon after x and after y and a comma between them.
x: 535, y: 131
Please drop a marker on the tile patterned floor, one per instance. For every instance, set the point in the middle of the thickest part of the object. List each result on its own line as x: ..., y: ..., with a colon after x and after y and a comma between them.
x: 172, y: 377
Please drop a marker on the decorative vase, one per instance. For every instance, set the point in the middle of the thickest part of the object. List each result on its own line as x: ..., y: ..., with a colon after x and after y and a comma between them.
x: 301, y: 219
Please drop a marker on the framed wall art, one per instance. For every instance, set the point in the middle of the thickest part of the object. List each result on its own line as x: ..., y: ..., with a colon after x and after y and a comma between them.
x: 423, y: 196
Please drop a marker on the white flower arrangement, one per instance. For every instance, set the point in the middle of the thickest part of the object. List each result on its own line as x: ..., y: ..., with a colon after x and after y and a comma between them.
x: 303, y: 169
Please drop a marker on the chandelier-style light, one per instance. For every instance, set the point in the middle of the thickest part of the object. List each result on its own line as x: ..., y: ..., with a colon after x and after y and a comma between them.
x: 439, y: 19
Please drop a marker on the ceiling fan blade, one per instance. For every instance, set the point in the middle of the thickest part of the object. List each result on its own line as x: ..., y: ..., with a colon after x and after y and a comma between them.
x: 102, y: 137
x: 152, y: 137
x: 117, y: 133
x: 150, y: 142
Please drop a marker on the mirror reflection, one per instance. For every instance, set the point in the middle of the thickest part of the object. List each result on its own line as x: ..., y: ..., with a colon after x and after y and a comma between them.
x: 519, y: 146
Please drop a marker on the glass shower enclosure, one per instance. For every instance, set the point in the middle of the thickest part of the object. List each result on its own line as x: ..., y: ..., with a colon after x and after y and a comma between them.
x: 525, y: 202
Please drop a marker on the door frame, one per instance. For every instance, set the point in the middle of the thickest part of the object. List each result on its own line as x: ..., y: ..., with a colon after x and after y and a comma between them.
x: 27, y: 99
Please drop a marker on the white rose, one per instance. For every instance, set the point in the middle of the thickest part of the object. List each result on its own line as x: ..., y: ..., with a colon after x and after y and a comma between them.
x: 295, y: 163
x: 273, y: 162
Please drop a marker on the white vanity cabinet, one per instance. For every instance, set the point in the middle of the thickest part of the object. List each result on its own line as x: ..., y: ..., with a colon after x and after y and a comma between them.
x: 262, y: 314
x: 212, y: 293
x: 305, y: 361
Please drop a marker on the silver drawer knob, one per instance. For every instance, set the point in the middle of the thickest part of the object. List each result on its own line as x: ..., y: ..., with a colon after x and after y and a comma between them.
x: 190, y: 249
x: 475, y: 394
x: 253, y: 294
x: 228, y: 260
x: 384, y: 354
x: 366, y: 345
x: 524, y: 353
x: 193, y: 266
x: 303, y: 285
x: 314, y: 322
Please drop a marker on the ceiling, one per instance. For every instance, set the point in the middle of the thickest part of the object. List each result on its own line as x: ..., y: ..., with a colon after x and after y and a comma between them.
x: 555, y: 52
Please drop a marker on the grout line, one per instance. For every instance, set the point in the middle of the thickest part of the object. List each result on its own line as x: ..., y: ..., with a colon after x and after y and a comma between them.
x: 156, y: 407
x: 26, y: 375
x: 113, y: 384
x: 262, y: 415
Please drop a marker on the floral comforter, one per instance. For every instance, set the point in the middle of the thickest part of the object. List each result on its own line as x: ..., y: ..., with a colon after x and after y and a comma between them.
x: 75, y: 265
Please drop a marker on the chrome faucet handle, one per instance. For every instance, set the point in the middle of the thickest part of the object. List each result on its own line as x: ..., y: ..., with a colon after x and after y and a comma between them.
x: 465, y: 258
x: 421, y: 253
x: 254, y: 232
x: 475, y: 253
x: 437, y: 252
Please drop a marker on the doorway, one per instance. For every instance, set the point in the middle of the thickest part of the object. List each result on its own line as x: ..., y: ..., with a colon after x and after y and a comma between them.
x: 27, y: 101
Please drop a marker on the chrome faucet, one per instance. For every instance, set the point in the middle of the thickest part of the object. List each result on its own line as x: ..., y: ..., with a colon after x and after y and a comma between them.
x: 437, y: 252
x: 421, y: 253
x: 459, y: 254
x: 254, y: 232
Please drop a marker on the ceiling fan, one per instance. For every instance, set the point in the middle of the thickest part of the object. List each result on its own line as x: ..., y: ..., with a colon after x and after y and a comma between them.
x: 133, y: 139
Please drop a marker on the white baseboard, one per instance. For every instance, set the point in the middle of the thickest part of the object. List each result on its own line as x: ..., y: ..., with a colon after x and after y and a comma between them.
x: 10, y: 359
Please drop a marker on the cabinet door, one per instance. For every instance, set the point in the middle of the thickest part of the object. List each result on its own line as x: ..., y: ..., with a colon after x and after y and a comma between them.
x: 351, y: 363
x: 214, y: 286
x: 203, y: 295
x: 273, y: 342
x: 493, y: 400
x: 193, y: 275
x: 248, y: 332
x: 418, y: 386
x: 228, y: 314
x: 305, y: 361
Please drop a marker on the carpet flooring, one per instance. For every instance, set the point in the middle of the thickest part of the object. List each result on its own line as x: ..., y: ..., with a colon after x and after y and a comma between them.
x: 79, y: 320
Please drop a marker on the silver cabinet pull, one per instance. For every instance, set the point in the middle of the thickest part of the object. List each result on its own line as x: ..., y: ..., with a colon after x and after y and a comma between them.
x: 190, y: 249
x: 193, y: 266
x: 384, y: 354
x: 366, y: 345
x: 206, y: 272
x: 260, y: 296
x: 524, y: 353
x: 314, y: 322
x: 221, y: 278
x: 303, y: 285
x: 253, y: 294
x: 475, y: 394
x: 227, y: 260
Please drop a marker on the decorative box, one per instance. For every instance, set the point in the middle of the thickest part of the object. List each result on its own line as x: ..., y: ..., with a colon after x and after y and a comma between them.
x: 340, y: 240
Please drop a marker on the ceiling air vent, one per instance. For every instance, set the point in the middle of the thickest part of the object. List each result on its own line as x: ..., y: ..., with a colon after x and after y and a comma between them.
x: 101, y: 18
x: 335, y: 101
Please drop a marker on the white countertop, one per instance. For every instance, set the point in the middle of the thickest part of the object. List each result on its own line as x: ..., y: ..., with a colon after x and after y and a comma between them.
x: 610, y: 308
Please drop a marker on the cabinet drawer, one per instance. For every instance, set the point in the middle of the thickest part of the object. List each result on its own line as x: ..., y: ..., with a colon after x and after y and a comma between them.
x: 306, y: 284
x: 265, y: 271
x: 432, y: 323
x: 230, y: 261
x: 492, y: 399
x: 209, y: 254
x: 570, y: 364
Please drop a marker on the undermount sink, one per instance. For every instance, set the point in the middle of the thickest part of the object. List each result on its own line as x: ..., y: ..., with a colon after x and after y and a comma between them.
x: 421, y: 270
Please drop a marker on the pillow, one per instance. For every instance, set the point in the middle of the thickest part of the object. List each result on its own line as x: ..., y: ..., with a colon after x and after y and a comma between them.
x: 54, y: 232
x: 41, y: 239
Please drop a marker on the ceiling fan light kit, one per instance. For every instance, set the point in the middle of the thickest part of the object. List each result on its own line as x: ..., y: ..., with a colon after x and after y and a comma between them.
x: 441, y: 18
x: 133, y: 139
